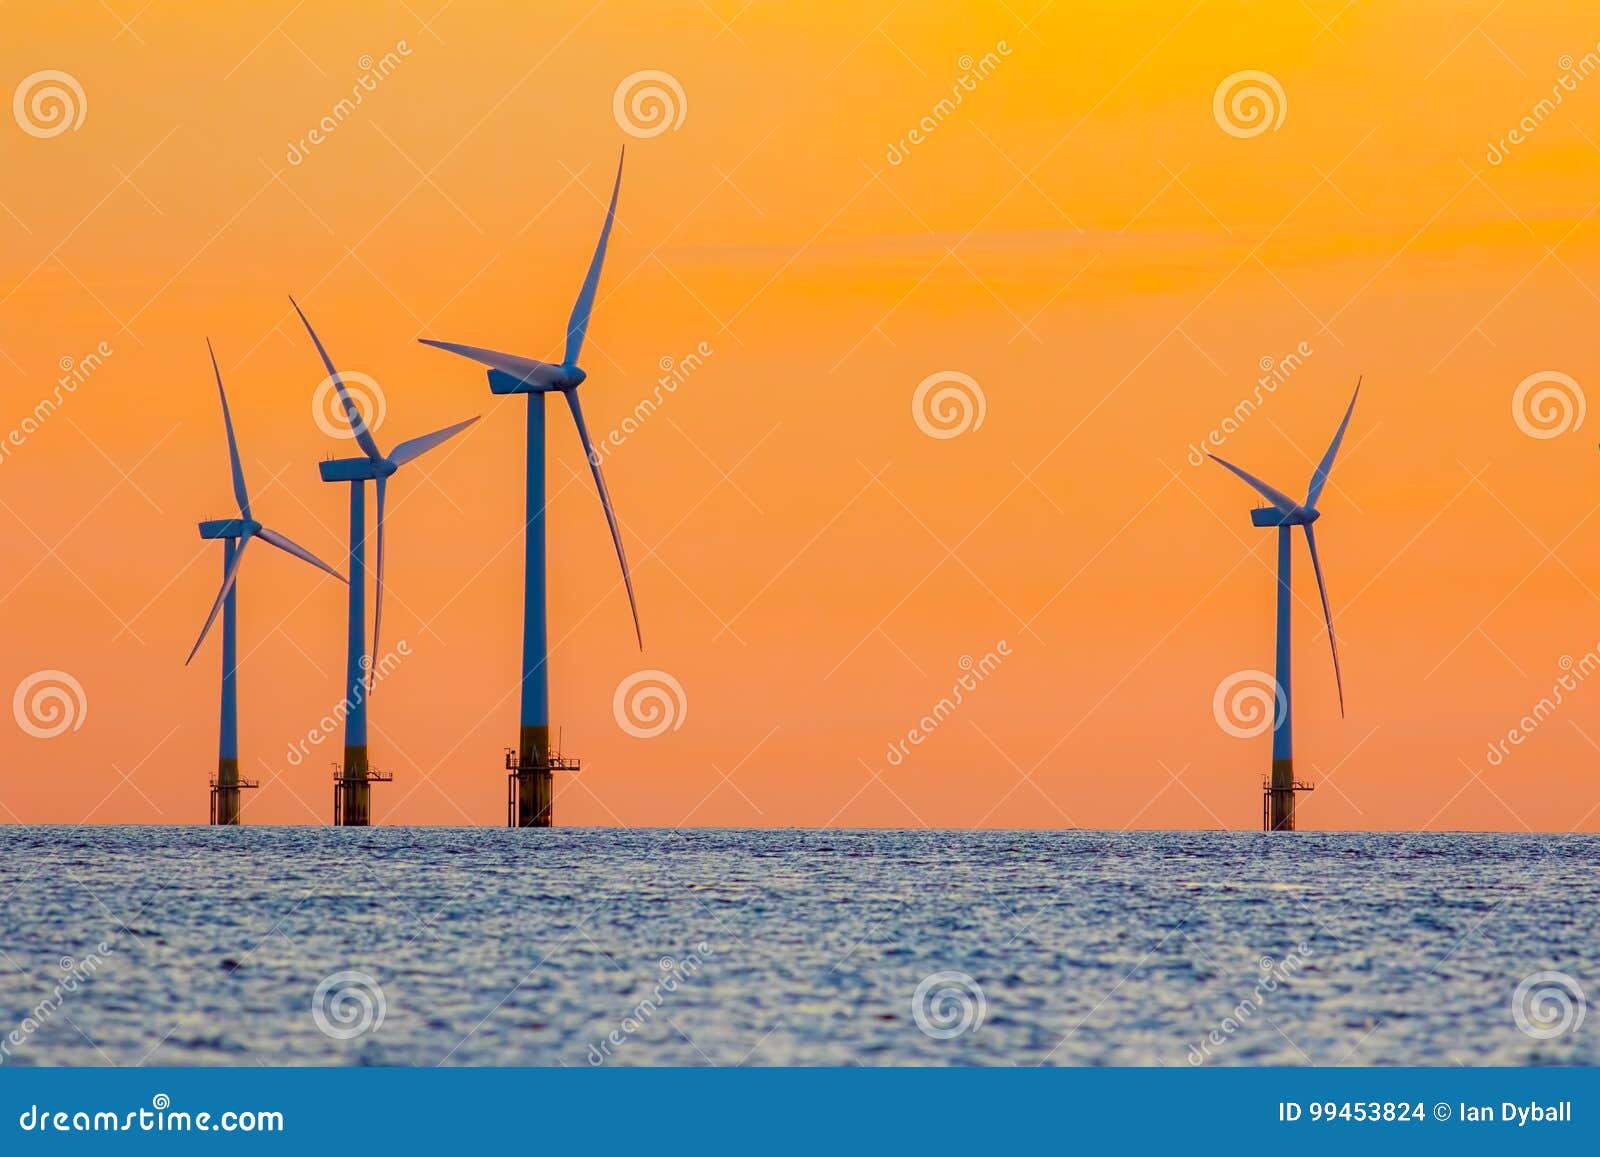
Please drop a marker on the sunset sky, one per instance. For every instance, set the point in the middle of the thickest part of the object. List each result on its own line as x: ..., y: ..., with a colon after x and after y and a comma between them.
x: 1081, y: 236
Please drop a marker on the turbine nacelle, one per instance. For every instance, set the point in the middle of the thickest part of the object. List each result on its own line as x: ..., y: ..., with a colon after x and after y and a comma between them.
x: 515, y: 374
x: 547, y: 380
x: 1272, y: 516
x: 229, y: 528
x: 355, y: 469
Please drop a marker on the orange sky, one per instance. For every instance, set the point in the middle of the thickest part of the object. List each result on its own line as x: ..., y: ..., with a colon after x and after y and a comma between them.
x: 1079, y: 235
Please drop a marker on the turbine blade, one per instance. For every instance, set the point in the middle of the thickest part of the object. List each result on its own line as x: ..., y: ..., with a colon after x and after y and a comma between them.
x: 605, y: 502
x: 527, y: 369
x: 358, y: 424
x: 1327, y: 615
x: 578, y: 324
x: 1319, y: 479
x: 227, y: 585
x: 417, y: 447
x: 377, y: 597
x: 266, y: 534
x: 1273, y: 495
x: 239, y: 492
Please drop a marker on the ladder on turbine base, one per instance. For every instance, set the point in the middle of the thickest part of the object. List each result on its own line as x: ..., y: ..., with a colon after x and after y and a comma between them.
x: 526, y: 779
x: 242, y: 785
x: 1268, y: 792
x: 372, y: 775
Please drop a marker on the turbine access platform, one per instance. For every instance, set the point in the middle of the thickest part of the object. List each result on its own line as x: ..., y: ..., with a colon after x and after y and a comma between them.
x: 530, y: 784
x: 1278, y: 800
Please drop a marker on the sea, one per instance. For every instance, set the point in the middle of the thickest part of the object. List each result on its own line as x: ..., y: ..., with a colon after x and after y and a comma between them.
x: 588, y: 947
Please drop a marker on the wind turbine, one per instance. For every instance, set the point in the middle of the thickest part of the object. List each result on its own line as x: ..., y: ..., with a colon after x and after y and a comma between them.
x: 529, y: 769
x: 235, y: 534
x: 1285, y: 514
x: 352, y: 793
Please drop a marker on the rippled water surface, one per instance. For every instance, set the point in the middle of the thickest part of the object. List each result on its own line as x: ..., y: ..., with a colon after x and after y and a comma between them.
x: 790, y: 947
